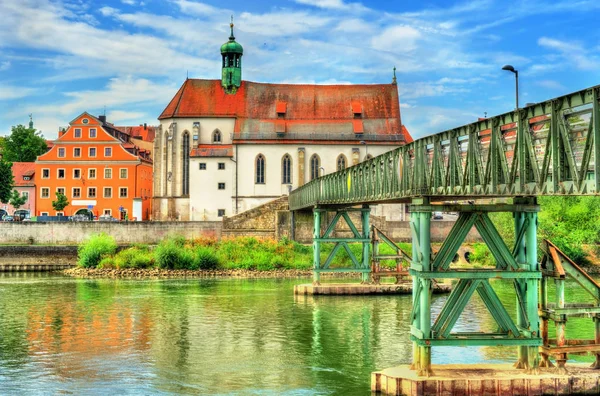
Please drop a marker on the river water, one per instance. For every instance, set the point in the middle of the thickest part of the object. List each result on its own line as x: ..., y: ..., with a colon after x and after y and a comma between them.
x: 60, y: 335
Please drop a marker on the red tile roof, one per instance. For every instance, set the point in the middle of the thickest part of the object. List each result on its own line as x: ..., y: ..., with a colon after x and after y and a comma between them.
x: 212, y: 150
x: 21, y: 169
x: 146, y: 133
x: 315, y: 109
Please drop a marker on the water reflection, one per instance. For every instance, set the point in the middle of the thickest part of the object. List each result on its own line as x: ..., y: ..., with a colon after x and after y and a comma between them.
x: 61, y: 335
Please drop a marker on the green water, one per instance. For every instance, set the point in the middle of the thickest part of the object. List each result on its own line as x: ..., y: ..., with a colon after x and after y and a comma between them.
x: 71, y: 336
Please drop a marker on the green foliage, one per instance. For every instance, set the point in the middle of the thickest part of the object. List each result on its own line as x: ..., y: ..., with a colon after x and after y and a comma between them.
x: 7, y: 181
x: 17, y: 200
x: 134, y: 257
x: 570, y: 222
x: 481, y: 255
x: 93, y: 250
x: 205, y: 258
x: 169, y: 254
x: 24, y: 144
x: 61, y: 202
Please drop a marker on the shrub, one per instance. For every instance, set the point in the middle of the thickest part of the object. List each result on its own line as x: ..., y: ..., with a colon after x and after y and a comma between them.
x: 97, y: 247
x: 170, y: 254
x: 205, y: 258
x: 134, y: 258
x: 107, y: 262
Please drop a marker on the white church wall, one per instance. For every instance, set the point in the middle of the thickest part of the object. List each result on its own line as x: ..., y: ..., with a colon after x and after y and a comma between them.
x: 205, y: 197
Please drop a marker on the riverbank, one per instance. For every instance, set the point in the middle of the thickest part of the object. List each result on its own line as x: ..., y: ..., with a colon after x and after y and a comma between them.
x: 79, y: 272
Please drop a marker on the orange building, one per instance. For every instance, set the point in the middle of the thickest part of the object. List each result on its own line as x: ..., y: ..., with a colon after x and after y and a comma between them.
x: 98, y: 169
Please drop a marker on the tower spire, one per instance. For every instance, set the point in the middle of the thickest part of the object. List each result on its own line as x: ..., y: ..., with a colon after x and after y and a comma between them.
x: 394, y: 78
x: 31, y: 121
x: 231, y: 36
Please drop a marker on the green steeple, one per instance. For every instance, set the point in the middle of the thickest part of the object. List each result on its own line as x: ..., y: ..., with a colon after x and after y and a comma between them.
x: 231, y: 75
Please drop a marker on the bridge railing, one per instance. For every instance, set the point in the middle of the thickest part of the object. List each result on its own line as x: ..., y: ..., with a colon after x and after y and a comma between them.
x: 548, y: 148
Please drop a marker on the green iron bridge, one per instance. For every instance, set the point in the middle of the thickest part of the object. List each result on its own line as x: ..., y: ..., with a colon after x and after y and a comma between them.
x: 548, y: 148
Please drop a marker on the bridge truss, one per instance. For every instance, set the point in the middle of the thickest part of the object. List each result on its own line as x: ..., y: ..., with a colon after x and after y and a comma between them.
x: 549, y: 148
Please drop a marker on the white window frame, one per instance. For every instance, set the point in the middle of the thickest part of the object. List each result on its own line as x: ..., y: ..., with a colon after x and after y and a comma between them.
x: 110, y: 176
x: 43, y: 213
x: 25, y: 194
x: 76, y: 148
x: 126, y: 190
x: 58, y: 173
x: 121, y: 173
x: 47, y: 189
x: 75, y: 133
x: 110, y: 152
x: 95, y: 173
x: 95, y: 133
x: 90, y: 152
x: 77, y: 169
x: 107, y: 212
x: 73, y: 192
x: 64, y: 152
x: 45, y: 169
x: 64, y: 192
x: 88, y: 192
x: 104, y: 192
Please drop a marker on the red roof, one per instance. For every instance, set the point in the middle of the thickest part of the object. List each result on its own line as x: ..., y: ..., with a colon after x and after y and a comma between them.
x: 146, y: 133
x: 212, y: 150
x: 310, y: 109
x: 23, y: 169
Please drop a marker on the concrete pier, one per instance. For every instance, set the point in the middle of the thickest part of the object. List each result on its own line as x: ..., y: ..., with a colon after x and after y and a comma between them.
x: 342, y: 289
x: 486, y: 379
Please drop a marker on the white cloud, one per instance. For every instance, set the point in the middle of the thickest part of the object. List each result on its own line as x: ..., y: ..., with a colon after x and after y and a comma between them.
x: 4, y: 65
x: 14, y: 92
x: 397, y: 39
x: 551, y: 84
x: 572, y: 53
x: 196, y: 8
x: 129, y: 2
x: 117, y: 116
x: 108, y: 11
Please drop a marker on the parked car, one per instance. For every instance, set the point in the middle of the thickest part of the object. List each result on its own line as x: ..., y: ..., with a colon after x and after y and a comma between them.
x: 107, y: 218
x: 438, y: 216
x: 80, y: 217
x: 8, y: 218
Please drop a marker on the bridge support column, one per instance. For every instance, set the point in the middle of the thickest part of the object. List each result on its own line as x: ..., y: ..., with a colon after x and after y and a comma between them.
x: 421, y: 242
x: 359, y: 235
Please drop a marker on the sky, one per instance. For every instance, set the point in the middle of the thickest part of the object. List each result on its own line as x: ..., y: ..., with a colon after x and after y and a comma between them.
x: 129, y: 57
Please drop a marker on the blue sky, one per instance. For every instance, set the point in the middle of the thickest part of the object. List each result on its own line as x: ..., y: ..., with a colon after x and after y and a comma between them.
x: 60, y: 58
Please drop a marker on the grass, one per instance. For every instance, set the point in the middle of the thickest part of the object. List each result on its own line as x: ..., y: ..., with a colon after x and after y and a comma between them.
x: 209, y: 254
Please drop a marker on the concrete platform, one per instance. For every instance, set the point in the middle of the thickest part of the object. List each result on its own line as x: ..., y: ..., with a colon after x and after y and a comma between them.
x: 342, y: 289
x: 486, y: 379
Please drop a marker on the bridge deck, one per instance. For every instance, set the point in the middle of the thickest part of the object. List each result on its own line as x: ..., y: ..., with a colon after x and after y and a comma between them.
x: 549, y: 148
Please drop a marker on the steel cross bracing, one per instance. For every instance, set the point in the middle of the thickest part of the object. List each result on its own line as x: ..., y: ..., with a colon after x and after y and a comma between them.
x: 549, y: 148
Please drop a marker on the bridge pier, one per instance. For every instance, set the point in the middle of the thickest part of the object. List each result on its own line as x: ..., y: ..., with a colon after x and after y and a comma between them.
x: 519, y: 265
x: 361, y: 235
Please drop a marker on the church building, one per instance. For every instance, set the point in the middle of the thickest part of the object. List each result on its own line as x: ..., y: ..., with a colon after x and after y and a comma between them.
x: 226, y: 146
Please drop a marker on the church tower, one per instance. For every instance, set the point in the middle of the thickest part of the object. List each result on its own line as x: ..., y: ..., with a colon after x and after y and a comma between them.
x: 231, y: 76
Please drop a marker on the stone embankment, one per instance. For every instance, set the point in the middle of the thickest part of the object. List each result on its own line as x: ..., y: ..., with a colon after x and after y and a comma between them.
x: 163, y: 273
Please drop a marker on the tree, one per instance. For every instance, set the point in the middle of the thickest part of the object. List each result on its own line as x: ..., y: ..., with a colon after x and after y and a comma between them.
x: 23, y: 144
x: 17, y: 200
x: 7, y: 181
x: 61, y: 202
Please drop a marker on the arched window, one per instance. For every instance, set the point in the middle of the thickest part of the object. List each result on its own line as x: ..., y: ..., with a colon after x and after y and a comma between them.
x: 286, y: 170
x: 260, y: 169
x: 186, y: 164
x: 216, y: 136
x: 341, y: 162
x: 315, y: 164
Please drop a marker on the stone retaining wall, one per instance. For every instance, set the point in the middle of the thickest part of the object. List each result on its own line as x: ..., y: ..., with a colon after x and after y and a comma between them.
x: 72, y: 233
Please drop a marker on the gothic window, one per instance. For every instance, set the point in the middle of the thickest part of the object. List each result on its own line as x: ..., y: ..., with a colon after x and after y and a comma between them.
x: 260, y: 169
x: 315, y: 164
x: 341, y: 162
x: 186, y: 163
x: 216, y: 136
x: 237, y: 64
x: 225, y: 61
x: 286, y: 170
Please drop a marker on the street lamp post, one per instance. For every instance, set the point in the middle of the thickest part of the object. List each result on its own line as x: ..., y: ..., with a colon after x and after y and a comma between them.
x: 512, y: 70
x: 366, y: 149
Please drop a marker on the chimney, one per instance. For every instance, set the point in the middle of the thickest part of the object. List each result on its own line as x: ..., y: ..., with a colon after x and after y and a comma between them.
x: 102, y: 119
x: 145, y: 126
